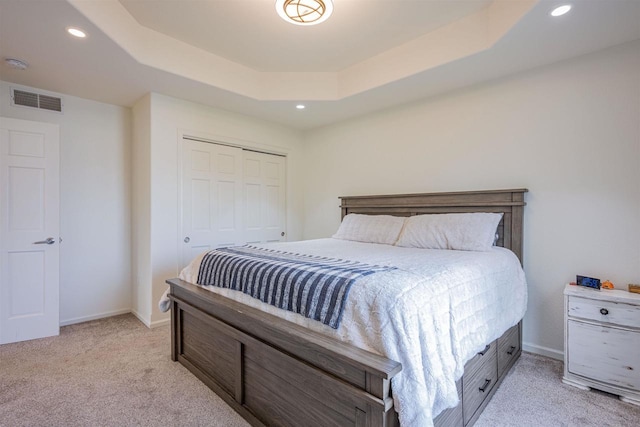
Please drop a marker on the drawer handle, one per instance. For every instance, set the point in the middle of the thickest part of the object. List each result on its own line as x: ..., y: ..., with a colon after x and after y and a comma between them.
x: 511, y: 349
x: 604, y: 311
x: 483, y: 352
x: 486, y: 384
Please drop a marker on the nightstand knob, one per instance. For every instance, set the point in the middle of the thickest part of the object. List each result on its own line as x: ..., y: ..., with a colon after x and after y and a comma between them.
x: 604, y: 311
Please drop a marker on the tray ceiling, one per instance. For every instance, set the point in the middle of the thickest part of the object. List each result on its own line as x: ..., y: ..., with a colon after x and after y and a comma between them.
x: 238, y: 55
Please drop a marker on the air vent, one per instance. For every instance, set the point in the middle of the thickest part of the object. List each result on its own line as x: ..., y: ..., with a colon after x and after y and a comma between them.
x: 35, y: 100
x: 27, y: 99
x: 50, y: 103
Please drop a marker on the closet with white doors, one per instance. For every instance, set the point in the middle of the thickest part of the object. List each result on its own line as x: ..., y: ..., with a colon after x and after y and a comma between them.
x: 229, y: 196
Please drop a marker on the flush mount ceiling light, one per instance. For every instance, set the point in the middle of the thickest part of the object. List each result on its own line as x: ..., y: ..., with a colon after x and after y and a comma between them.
x: 16, y: 63
x: 561, y: 10
x: 304, y: 12
x: 300, y: 107
x: 76, y: 32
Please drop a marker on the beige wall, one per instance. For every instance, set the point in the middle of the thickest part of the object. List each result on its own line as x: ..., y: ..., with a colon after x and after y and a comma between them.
x: 95, y: 203
x: 169, y: 118
x: 569, y: 132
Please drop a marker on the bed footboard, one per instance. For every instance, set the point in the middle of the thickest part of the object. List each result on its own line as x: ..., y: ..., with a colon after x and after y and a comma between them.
x: 274, y: 372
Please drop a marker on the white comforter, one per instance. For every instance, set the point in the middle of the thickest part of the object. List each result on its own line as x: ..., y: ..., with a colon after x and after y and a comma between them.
x: 432, y: 314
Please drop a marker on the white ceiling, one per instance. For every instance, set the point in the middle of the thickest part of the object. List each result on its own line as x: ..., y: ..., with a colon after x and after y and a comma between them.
x: 240, y: 56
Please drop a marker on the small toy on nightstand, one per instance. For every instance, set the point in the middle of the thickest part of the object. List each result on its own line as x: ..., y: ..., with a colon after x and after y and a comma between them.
x: 607, y: 285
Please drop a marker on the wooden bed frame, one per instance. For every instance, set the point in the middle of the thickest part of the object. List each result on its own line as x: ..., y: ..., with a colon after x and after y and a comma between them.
x: 274, y: 372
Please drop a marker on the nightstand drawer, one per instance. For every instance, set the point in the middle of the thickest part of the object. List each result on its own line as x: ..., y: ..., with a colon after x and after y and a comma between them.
x: 604, y: 354
x: 604, y: 311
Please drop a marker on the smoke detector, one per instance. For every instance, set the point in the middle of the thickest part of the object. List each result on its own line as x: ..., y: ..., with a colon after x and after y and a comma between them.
x: 16, y: 63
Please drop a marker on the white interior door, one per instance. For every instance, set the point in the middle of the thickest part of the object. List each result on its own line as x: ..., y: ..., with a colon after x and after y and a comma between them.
x: 29, y: 230
x: 211, y: 198
x: 264, y: 191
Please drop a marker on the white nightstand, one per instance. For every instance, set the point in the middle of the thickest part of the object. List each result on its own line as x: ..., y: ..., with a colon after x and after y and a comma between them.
x: 602, y: 341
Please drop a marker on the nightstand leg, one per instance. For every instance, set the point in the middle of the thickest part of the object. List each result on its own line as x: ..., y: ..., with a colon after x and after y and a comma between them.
x: 576, y: 384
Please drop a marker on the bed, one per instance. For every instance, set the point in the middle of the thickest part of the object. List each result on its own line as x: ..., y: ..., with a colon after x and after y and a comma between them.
x: 275, y: 372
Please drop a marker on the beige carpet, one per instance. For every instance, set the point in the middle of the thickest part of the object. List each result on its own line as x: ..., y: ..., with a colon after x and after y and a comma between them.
x: 110, y: 372
x: 116, y: 372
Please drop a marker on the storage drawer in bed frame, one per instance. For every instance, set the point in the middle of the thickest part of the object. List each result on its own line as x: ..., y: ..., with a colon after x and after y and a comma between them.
x: 482, y: 376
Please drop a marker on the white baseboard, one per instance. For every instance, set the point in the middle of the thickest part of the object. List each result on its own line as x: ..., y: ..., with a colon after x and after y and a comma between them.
x: 150, y: 324
x: 94, y: 317
x: 159, y: 323
x: 140, y: 318
x: 543, y: 351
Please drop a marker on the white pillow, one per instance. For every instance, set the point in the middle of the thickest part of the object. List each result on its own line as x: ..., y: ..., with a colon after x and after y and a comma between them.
x: 461, y: 231
x: 370, y: 228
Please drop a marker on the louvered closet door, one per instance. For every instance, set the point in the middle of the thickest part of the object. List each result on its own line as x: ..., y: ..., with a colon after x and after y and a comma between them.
x: 264, y: 192
x: 212, y: 210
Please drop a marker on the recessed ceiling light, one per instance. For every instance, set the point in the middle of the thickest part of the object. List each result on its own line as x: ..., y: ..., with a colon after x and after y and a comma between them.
x: 561, y: 10
x: 300, y: 107
x: 76, y: 32
x: 16, y: 63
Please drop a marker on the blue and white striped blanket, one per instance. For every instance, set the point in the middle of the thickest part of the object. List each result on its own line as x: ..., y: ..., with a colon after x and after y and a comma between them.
x: 316, y: 287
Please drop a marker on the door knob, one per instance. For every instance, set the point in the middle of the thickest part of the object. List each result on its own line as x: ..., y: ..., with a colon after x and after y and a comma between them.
x: 187, y: 239
x: 49, y: 241
x: 282, y: 234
